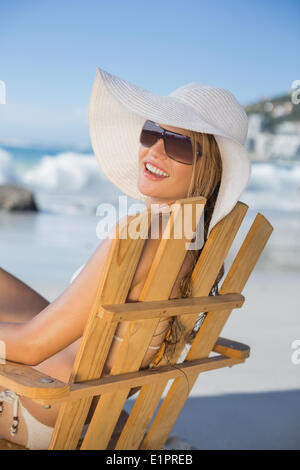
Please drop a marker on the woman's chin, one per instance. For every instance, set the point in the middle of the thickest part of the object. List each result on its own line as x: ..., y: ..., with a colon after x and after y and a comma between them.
x: 148, y: 190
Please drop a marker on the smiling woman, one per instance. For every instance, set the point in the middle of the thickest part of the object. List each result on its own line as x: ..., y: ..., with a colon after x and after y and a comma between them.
x: 193, y: 146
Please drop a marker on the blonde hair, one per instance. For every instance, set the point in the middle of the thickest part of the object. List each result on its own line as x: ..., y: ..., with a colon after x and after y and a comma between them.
x: 205, y: 181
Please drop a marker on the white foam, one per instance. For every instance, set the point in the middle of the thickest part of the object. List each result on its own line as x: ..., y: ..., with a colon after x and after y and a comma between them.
x: 7, y: 170
x: 66, y: 171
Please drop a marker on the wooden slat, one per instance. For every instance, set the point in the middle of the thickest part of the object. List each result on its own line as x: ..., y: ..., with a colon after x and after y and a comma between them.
x: 168, y: 308
x: 158, y: 286
x: 112, y: 383
x: 235, y: 280
x: 204, y: 275
x: 115, y: 282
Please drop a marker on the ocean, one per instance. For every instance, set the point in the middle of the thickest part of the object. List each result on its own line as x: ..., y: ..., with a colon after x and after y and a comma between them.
x: 68, y: 187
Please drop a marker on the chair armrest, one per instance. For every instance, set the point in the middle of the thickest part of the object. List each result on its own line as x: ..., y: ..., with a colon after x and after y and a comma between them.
x: 132, y: 311
x: 29, y: 382
x: 231, y: 348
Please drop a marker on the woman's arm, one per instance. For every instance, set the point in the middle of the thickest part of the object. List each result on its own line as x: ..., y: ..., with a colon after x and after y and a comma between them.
x: 62, y: 322
x: 18, y: 301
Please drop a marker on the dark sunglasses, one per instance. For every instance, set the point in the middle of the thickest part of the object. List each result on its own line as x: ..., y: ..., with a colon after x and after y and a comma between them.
x: 177, y: 146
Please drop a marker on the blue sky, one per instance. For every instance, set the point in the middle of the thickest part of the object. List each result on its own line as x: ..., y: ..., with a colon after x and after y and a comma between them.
x: 49, y: 51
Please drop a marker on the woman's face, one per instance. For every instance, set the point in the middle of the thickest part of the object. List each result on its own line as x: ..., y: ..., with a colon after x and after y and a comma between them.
x: 164, y: 189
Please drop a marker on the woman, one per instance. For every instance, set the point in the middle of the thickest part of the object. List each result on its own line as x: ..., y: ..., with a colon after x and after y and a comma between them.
x: 189, y: 143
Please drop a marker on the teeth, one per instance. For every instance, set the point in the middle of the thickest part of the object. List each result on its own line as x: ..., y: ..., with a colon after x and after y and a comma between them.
x: 155, y: 170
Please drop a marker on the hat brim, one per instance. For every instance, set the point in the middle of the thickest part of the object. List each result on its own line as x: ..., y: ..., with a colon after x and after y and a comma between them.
x: 116, y: 114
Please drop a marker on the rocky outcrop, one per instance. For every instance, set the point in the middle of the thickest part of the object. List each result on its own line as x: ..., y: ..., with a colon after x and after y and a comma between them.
x: 16, y: 198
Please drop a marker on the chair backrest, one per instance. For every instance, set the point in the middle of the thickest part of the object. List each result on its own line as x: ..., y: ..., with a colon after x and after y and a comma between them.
x: 142, y: 319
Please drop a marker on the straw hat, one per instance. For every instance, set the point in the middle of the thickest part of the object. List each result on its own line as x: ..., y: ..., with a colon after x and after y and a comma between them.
x: 119, y: 109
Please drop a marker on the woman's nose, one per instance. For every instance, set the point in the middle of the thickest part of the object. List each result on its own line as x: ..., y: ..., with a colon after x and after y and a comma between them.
x: 158, y: 149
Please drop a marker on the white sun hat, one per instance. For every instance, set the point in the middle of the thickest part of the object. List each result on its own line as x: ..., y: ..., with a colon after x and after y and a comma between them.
x: 119, y: 109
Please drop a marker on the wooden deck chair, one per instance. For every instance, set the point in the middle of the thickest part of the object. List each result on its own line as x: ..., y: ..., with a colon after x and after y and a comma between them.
x: 208, y: 350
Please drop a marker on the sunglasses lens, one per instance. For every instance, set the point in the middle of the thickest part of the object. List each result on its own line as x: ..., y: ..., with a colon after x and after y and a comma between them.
x: 179, y: 147
x: 150, y: 134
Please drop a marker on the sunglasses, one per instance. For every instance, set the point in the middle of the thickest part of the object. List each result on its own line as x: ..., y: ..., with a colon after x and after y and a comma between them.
x: 177, y: 146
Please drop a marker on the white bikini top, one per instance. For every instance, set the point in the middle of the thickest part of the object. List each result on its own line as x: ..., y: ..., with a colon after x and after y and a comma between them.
x: 77, y: 272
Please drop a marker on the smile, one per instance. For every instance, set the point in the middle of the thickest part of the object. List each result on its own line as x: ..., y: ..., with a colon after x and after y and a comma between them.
x: 156, y: 171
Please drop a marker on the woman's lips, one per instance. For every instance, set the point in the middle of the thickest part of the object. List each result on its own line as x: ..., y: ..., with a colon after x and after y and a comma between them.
x: 152, y: 176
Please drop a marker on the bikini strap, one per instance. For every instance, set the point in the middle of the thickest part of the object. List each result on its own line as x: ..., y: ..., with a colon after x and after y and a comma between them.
x: 11, y: 397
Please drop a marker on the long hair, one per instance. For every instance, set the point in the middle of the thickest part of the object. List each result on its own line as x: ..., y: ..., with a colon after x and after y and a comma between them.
x: 205, y: 181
